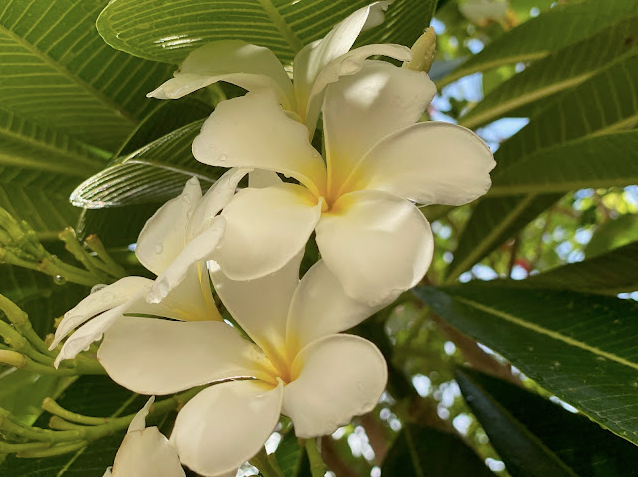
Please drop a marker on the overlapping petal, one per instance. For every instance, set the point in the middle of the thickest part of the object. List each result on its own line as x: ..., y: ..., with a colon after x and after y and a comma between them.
x: 251, y: 67
x: 164, y: 234
x: 335, y: 378
x: 430, y: 163
x: 376, y: 244
x: 260, y: 306
x: 225, y: 425
x: 320, y: 307
x: 265, y: 229
x: 158, y: 357
x: 253, y: 131
x: 360, y: 110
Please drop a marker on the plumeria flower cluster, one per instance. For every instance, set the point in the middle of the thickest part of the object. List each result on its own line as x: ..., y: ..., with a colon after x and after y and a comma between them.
x: 282, y: 349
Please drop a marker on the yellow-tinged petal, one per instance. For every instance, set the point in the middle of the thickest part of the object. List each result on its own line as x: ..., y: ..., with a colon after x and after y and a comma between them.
x: 376, y: 244
x: 336, y: 378
x: 360, y: 110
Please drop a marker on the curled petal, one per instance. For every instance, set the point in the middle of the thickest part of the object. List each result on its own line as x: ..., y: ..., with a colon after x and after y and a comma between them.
x: 139, y: 420
x: 313, y: 58
x: 251, y: 67
x: 164, y: 234
x: 225, y: 425
x: 101, y: 300
x: 320, y: 307
x: 377, y: 245
x: 214, y: 201
x: 158, y: 357
x: 265, y: 229
x: 360, y: 110
x: 253, y: 131
x: 430, y: 163
x: 260, y: 306
x: 199, y: 249
x: 334, y: 379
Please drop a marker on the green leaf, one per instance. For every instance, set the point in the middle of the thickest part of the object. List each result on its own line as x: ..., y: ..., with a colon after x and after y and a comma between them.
x: 152, y: 174
x: 150, y: 29
x: 90, y: 395
x: 56, y: 70
x: 573, y: 165
x: 168, y: 116
x: 22, y: 392
x: 578, y: 346
x: 610, y: 273
x: 549, y: 76
x: 423, y: 451
x: 39, y: 167
x: 556, y: 28
x: 523, y: 453
x: 290, y: 456
x: 571, y: 124
x: 579, y: 443
x: 612, y: 234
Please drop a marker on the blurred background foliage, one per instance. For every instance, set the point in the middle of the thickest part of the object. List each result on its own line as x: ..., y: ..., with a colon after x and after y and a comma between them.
x: 515, y: 356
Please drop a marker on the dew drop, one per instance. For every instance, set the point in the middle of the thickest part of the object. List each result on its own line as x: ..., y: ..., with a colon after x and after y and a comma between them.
x: 557, y: 364
x: 59, y: 280
x: 530, y: 348
x: 601, y: 359
x: 159, y: 248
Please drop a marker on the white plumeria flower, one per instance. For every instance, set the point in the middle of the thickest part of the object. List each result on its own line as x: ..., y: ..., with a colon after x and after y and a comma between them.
x: 145, y: 451
x: 256, y: 68
x: 299, y: 365
x: 173, y: 244
x: 360, y: 201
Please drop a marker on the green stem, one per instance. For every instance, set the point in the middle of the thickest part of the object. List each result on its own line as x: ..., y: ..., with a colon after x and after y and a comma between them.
x: 96, y: 246
x: 317, y: 466
x: 52, y: 451
x: 51, y: 406
x: 74, y: 247
x: 20, y: 321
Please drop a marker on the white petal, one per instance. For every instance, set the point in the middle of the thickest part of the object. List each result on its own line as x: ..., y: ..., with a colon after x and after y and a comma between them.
x: 104, y: 299
x: 320, y: 307
x: 190, y: 300
x: 253, y: 131
x: 348, y: 64
x: 199, y: 249
x: 430, y: 163
x: 225, y: 425
x: 146, y: 453
x: 214, y: 201
x: 260, y: 306
x: 376, y: 244
x: 337, y: 378
x: 158, y: 357
x: 164, y: 234
x: 234, y: 61
x: 313, y: 58
x: 361, y: 109
x: 265, y: 229
x: 139, y: 420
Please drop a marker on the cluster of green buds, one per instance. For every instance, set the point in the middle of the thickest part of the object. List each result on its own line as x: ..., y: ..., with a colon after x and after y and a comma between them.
x: 69, y: 431
x: 20, y: 246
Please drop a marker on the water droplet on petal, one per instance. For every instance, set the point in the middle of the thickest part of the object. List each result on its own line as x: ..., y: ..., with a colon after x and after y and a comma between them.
x: 159, y: 248
x: 222, y: 158
x: 59, y: 280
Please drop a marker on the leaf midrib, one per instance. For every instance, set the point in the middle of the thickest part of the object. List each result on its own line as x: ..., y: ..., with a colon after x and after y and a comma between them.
x: 66, y: 73
x: 293, y: 40
x: 543, y: 331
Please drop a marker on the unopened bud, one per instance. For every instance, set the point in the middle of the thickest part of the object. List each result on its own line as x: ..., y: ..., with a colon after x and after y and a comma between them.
x: 423, y: 52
